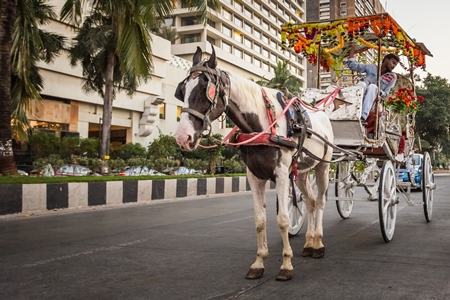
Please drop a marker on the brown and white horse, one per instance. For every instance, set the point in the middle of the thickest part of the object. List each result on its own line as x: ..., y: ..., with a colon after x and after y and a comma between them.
x: 209, y: 92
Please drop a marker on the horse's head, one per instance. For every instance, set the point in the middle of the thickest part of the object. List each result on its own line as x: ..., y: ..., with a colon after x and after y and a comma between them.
x: 205, y: 99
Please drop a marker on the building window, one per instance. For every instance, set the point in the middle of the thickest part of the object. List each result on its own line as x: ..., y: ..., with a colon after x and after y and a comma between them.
x: 226, y: 14
x: 238, y: 52
x: 265, y: 67
x: 273, y: 57
x: 162, y: 111
x: 247, y: 27
x: 265, y: 11
x: 247, y: 42
x: 226, y: 30
x: 238, y: 36
x: 257, y: 19
x: 273, y: 44
x: 265, y: 25
x: 257, y: 48
x: 273, y: 17
x: 265, y: 39
x: 190, y: 38
x: 343, y: 4
x: 211, y: 23
x: 247, y: 57
x: 248, y: 12
x: 343, y: 12
x: 257, y: 62
x: 238, y: 5
x: 265, y: 52
x: 211, y: 40
x: 188, y: 21
x: 257, y: 34
x: 226, y: 47
x: 179, y: 108
x: 238, y: 21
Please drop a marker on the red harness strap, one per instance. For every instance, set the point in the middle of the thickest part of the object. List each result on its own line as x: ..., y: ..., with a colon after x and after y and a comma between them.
x: 268, y: 139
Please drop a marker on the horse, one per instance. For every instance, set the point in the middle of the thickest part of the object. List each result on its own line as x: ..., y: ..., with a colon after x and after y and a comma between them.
x: 207, y: 93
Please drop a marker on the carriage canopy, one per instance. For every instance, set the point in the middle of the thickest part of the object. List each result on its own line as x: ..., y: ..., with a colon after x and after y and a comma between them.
x: 327, y: 42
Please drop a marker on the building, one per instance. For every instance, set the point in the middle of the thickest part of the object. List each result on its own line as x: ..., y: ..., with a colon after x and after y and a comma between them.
x: 245, y: 34
x: 324, y: 10
x: 246, y: 37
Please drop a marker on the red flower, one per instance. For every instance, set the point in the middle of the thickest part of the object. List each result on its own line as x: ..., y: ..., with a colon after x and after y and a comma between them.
x: 421, y: 99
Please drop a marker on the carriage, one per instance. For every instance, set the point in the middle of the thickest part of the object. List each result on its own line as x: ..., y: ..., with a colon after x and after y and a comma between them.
x: 283, y: 140
x: 367, y: 155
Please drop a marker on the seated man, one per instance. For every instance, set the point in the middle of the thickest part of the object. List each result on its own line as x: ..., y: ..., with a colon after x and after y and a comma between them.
x: 388, y: 79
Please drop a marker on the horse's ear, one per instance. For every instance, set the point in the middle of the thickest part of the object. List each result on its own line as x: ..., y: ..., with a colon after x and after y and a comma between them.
x: 197, y: 56
x: 212, y: 62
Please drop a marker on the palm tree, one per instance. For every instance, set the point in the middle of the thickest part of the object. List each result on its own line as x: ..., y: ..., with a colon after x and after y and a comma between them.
x: 30, y: 45
x: 284, y: 80
x: 114, y: 46
x: 23, y: 45
x: 7, y: 17
x: 167, y: 32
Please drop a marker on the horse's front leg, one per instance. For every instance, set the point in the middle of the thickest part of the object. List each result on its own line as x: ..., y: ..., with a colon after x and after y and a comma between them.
x: 282, y: 187
x: 310, y: 203
x: 258, y: 188
x: 322, y: 177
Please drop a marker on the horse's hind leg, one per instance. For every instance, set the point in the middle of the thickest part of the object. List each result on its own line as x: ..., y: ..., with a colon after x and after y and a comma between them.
x: 259, y: 203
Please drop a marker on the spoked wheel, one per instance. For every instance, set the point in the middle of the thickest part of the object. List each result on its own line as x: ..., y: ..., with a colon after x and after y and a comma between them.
x: 344, y: 187
x: 428, y: 186
x: 296, y: 209
x: 387, y: 201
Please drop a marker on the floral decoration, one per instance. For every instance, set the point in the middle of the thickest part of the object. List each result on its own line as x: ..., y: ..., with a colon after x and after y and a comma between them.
x: 404, y: 101
x: 324, y: 42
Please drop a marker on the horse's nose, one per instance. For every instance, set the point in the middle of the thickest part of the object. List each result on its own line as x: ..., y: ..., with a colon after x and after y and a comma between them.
x: 185, y: 141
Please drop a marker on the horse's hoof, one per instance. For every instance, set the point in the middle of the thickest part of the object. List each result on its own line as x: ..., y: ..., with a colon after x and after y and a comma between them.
x: 254, y: 273
x: 319, y: 253
x: 307, y: 252
x: 285, y: 275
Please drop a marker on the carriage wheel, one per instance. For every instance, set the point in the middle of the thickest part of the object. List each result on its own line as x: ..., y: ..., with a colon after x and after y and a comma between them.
x: 428, y: 186
x: 344, y: 187
x: 387, y: 201
x: 296, y: 209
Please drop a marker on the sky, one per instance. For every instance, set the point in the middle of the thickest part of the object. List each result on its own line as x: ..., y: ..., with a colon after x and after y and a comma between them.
x: 426, y: 21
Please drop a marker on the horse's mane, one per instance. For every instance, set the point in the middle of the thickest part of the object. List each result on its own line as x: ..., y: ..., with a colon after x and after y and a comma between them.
x: 247, y: 94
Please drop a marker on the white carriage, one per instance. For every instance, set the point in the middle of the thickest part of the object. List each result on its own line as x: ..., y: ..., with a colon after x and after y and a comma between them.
x: 387, y: 143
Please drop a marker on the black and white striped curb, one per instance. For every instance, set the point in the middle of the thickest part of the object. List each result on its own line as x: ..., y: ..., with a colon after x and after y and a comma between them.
x: 25, y: 198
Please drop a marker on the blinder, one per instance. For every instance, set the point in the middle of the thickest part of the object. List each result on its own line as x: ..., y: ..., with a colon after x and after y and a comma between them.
x: 179, y: 91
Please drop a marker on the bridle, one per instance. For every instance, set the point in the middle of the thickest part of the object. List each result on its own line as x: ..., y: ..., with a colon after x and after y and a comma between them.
x: 218, y: 87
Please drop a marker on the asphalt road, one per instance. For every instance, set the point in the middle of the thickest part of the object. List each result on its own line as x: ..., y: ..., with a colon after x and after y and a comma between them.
x: 202, y: 249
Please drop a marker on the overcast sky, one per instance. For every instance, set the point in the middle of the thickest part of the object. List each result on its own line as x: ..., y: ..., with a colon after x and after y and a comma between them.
x: 426, y: 21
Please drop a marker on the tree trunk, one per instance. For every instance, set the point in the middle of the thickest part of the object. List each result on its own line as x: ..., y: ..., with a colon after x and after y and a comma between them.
x: 107, y: 107
x: 7, y: 17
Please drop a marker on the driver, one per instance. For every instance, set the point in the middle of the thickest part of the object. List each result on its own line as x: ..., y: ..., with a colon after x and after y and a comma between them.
x: 387, y: 81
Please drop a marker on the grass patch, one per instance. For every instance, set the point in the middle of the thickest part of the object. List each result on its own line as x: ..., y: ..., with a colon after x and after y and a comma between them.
x: 17, y: 179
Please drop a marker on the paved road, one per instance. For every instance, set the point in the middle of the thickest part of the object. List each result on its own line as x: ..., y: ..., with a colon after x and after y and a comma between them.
x: 201, y: 249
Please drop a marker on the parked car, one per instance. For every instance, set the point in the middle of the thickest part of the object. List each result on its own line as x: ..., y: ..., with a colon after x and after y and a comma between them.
x: 74, y: 170
x: 22, y: 172
x: 415, y: 169
x: 185, y: 171
x: 139, y: 171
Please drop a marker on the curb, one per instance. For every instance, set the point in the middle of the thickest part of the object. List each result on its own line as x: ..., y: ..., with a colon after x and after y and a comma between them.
x: 28, y: 198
